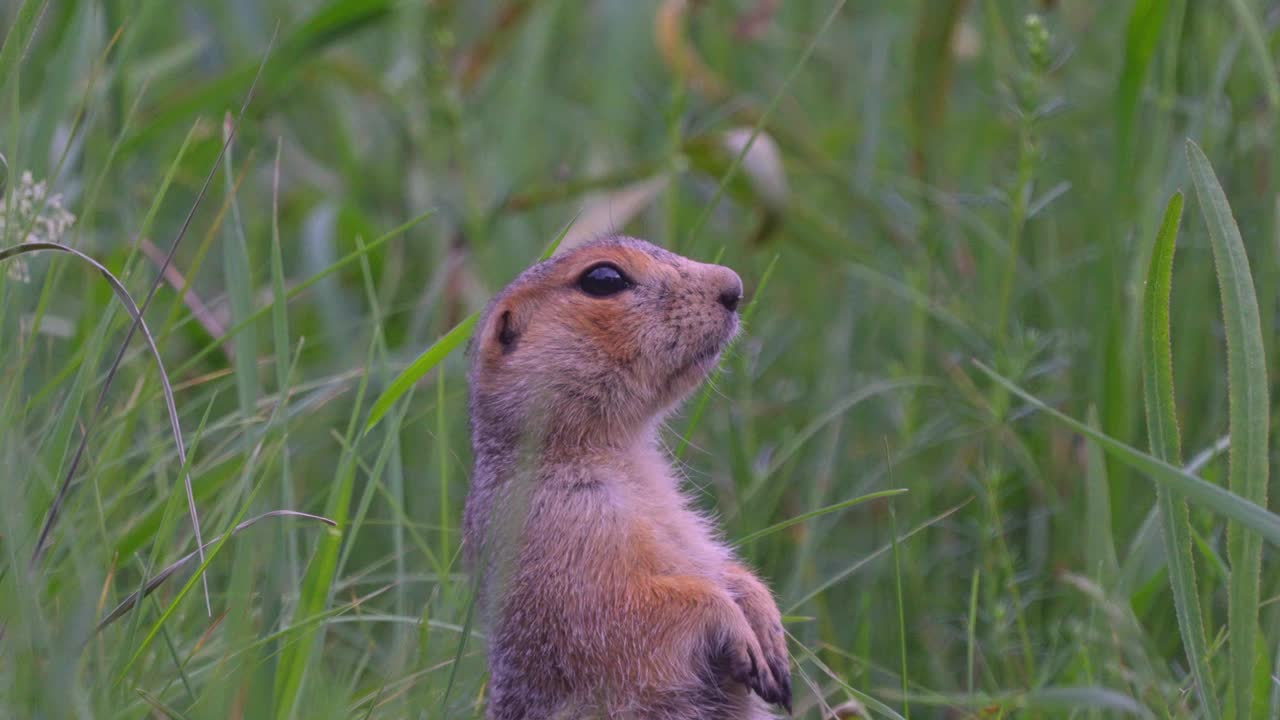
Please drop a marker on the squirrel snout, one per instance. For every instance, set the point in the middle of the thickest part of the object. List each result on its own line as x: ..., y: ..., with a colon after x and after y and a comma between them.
x: 729, y: 299
x: 730, y: 290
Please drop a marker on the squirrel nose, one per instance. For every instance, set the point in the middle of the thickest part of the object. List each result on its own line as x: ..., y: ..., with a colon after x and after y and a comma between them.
x: 730, y: 299
x: 731, y: 294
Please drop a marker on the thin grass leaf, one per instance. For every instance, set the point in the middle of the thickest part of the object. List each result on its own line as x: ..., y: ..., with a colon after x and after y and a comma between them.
x: 1099, y: 545
x: 1166, y: 444
x: 186, y: 588
x: 1255, y: 34
x: 16, y: 38
x: 1141, y: 38
x: 862, y: 562
x: 1250, y: 414
x: 133, y: 328
x: 237, y: 273
x: 902, y: 616
x: 842, y: 406
x: 317, y: 584
x: 805, y: 517
x: 300, y: 288
x: 555, y: 244
x: 166, y: 389
x: 159, y: 706
x: 421, y: 365
x: 1207, y: 495
x: 468, y: 629
x: 862, y: 697
x: 971, y: 629
x: 129, y: 602
x: 247, y: 470
x: 280, y: 342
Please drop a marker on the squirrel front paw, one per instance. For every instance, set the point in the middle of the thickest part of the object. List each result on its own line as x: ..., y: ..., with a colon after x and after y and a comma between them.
x: 773, y: 643
x: 750, y: 663
x: 762, y: 615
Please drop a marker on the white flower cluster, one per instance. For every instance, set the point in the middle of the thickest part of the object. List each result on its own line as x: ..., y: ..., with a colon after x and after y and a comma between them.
x: 35, y: 216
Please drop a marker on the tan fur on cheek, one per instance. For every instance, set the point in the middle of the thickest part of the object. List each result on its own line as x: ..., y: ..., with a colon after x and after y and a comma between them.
x: 602, y: 325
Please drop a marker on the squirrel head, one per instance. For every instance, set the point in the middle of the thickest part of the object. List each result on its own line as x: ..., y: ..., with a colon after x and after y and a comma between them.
x: 592, y: 347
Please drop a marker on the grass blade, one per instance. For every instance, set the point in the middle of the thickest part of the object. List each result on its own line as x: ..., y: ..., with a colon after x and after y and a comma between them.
x: 1255, y: 34
x: 749, y: 537
x: 317, y: 582
x: 246, y: 471
x: 19, y: 34
x: 1141, y: 36
x: 421, y: 365
x: 302, y: 287
x: 902, y: 618
x: 1249, y: 413
x: 280, y: 342
x: 127, y: 604
x: 238, y: 275
x: 133, y: 328
x: 1207, y: 495
x: 1166, y: 444
x: 870, y: 557
x: 135, y: 314
x: 1099, y: 545
x: 838, y: 409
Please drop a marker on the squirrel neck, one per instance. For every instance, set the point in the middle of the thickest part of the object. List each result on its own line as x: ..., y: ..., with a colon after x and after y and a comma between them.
x: 561, y: 447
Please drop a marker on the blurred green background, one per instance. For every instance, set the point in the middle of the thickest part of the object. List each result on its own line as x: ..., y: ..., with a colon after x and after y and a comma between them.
x: 934, y: 182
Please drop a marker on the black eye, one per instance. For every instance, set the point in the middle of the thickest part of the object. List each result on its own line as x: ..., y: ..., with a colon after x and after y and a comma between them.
x: 603, y: 281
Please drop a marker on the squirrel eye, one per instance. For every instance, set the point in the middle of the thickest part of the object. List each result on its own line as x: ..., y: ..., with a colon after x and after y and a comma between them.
x: 603, y: 280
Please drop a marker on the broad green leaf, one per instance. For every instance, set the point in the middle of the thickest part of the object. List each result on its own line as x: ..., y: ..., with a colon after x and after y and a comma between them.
x: 1166, y: 444
x: 1143, y: 32
x: 1249, y: 413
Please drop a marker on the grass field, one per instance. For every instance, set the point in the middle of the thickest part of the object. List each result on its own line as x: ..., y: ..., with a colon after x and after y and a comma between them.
x: 956, y: 219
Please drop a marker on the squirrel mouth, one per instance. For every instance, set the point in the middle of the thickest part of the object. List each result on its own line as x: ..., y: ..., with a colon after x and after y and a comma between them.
x: 701, y: 363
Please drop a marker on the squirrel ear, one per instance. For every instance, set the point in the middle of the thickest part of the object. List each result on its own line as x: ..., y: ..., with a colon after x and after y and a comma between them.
x: 506, y: 332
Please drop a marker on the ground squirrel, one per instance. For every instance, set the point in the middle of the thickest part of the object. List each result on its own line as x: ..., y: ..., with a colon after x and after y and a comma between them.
x: 605, y: 594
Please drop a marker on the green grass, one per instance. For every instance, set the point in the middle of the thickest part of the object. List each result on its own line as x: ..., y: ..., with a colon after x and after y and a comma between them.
x: 973, y: 433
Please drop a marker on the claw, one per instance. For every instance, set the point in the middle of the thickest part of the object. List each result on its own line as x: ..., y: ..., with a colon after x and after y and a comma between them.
x: 783, y: 678
x: 780, y: 685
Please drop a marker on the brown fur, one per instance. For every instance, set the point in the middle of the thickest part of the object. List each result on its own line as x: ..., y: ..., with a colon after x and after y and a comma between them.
x: 604, y: 593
